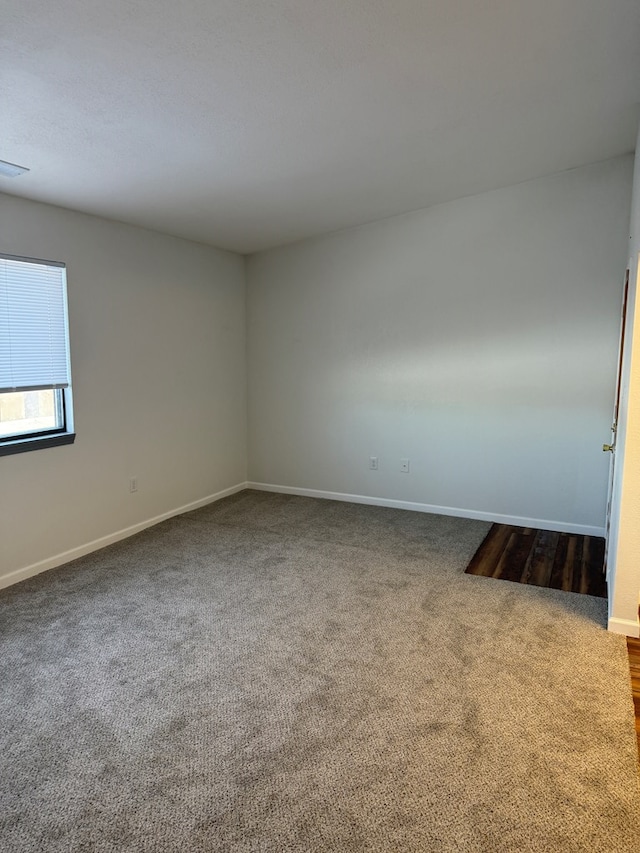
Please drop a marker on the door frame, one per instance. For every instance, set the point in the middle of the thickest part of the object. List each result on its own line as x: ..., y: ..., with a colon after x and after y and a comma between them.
x: 616, y: 412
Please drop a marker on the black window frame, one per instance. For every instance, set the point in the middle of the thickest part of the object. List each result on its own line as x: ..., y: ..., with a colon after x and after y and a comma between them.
x: 57, y: 436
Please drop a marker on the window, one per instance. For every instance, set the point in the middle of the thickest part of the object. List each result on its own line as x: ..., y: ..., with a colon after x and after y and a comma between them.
x: 35, y: 375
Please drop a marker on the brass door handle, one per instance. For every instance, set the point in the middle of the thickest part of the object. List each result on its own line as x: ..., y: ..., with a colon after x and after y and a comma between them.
x: 608, y: 447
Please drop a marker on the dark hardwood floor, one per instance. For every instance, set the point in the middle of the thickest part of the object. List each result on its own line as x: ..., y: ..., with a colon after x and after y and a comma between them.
x: 564, y: 561
x: 633, y: 647
x: 557, y: 560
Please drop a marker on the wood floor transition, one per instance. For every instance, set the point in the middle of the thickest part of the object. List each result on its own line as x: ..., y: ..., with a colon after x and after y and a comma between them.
x: 563, y: 561
x: 633, y: 647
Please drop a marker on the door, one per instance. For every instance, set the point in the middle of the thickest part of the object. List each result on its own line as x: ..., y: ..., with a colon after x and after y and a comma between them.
x: 611, y: 448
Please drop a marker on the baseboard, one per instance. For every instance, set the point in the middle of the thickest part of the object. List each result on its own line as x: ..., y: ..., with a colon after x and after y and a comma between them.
x: 628, y: 627
x: 623, y: 626
x: 80, y: 551
x: 517, y: 521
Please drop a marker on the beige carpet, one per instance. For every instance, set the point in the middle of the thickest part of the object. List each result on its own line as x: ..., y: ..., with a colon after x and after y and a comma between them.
x: 275, y: 673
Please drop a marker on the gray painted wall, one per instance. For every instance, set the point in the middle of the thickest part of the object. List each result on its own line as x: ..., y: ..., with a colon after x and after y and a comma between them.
x: 157, y: 334
x: 476, y: 338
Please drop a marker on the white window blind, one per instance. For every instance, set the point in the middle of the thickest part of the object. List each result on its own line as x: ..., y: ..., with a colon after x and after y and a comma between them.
x: 34, y: 350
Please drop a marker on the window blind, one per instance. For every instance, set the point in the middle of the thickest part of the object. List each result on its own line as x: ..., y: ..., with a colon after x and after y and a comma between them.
x: 34, y: 350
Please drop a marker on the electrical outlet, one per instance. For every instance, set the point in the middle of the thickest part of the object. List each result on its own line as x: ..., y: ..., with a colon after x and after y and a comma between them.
x: 404, y: 466
x: 373, y: 463
x: 133, y: 484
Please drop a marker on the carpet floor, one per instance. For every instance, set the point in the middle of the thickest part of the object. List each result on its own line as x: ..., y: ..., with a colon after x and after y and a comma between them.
x: 276, y: 673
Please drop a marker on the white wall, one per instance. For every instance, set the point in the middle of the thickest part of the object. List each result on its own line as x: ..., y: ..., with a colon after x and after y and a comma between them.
x: 477, y: 338
x: 157, y: 329
x: 624, y: 539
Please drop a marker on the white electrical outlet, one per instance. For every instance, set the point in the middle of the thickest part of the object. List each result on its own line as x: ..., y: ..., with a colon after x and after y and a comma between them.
x: 373, y: 463
x: 133, y: 484
x: 404, y: 466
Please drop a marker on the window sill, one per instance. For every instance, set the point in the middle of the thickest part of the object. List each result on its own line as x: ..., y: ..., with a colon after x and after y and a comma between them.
x: 22, y: 445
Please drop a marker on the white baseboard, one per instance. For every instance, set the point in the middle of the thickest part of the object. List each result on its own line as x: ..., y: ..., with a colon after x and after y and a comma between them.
x: 516, y: 520
x: 18, y: 575
x: 80, y: 551
x: 628, y: 627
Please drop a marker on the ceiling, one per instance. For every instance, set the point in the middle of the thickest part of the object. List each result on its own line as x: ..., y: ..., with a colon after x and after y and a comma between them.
x: 247, y: 124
